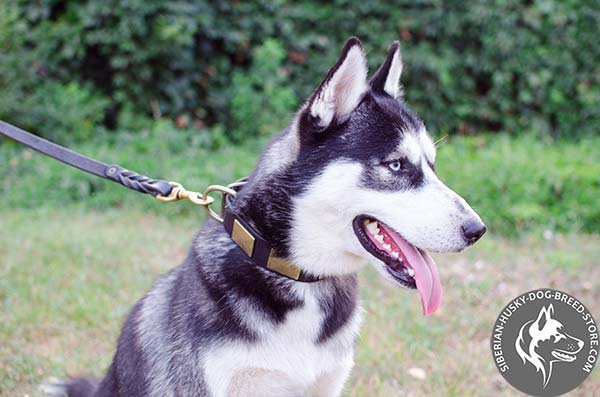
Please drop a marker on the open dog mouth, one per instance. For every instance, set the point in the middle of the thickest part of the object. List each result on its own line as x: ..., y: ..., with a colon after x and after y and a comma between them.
x: 562, y: 356
x: 408, y: 265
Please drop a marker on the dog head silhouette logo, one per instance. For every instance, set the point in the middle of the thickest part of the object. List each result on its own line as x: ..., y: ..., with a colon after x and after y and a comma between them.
x: 542, y: 342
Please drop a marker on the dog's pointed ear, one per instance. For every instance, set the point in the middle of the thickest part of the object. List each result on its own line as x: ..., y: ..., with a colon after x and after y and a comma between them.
x: 544, y: 316
x: 387, y: 78
x: 341, y: 90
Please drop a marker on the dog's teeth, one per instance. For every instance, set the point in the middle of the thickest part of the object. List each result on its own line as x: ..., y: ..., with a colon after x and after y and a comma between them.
x: 411, y: 272
x: 379, y: 238
x: 387, y: 247
x: 395, y: 255
x: 372, y: 228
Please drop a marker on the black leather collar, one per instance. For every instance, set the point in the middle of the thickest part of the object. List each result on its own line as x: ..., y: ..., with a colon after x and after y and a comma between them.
x: 259, y: 250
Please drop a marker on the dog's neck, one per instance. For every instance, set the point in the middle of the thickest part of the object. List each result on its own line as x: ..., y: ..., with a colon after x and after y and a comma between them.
x: 269, y: 203
x: 265, y: 209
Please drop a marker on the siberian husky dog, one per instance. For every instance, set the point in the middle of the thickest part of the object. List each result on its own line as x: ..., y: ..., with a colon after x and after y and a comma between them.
x: 350, y: 181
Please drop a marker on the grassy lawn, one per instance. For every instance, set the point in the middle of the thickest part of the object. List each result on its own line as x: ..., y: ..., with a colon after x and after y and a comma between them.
x: 68, y: 277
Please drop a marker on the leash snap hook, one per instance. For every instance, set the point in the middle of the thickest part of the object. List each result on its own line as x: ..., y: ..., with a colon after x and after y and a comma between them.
x: 225, y: 191
x: 173, y: 194
x: 178, y: 192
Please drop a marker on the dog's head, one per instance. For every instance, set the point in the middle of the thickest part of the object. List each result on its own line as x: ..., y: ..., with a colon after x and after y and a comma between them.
x: 543, y: 342
x: 357, y: 170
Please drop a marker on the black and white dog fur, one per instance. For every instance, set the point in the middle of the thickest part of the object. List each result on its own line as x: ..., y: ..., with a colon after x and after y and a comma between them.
x: 219, y: 325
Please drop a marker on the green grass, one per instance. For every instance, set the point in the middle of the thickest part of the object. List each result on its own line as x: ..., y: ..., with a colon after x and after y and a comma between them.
x: 523, y: 183
x: 69, y: 276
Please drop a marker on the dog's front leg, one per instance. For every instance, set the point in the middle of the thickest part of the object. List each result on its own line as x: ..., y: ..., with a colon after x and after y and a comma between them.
x: 331, y: 383
x: 258, y: 382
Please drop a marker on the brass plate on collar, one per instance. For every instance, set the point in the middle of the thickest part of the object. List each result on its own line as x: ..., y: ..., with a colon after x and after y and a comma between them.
x: 243, y: 238
x: 283, y: 266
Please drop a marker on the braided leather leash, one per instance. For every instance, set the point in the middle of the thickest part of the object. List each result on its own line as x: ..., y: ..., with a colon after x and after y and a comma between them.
x: 240, y: 231
x: 158, y: 188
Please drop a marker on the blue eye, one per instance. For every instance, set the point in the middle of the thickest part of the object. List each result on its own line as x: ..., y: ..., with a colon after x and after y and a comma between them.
x: 395, y: 165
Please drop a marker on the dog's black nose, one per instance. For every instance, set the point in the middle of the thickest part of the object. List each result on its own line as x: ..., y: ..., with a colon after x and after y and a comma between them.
x: 473, y: 230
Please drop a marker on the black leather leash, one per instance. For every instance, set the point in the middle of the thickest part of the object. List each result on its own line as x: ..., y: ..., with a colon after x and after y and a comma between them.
x: 132, y: 180
x: 248, y: 239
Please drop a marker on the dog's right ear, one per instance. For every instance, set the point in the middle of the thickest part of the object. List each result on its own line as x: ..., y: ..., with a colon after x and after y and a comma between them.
x: 339, y: 93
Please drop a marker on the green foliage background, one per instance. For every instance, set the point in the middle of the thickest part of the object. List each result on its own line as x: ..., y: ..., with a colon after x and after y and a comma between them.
x: 162, y: 86
x: 500, y: 65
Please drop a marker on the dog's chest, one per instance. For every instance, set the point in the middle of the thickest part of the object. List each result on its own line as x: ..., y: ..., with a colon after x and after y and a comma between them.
x: 291, y: 352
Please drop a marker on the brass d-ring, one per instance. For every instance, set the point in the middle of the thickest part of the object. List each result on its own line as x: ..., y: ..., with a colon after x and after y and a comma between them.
x: 224, y: 191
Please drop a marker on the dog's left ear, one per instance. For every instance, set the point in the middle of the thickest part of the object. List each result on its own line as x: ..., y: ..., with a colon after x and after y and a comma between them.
x: 387, y: 78
x: 340, y: 92
x: 544, y: 316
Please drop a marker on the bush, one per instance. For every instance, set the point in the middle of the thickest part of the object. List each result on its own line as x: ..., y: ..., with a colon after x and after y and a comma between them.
x: 470, y: 66
x: 65, y: 112
x: 68, y: 112
x: 260, y: 100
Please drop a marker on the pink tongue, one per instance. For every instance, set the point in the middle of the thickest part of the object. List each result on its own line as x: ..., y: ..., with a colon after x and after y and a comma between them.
x: 426, y: 274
